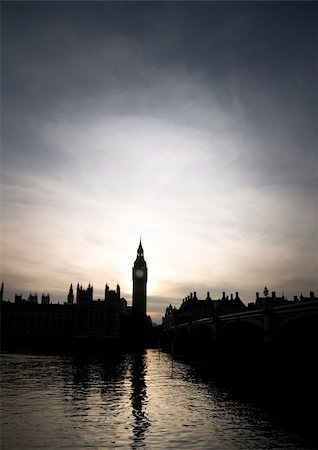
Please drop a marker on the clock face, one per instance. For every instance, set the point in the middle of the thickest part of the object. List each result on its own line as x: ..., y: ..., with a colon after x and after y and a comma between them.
x: 139, y: 273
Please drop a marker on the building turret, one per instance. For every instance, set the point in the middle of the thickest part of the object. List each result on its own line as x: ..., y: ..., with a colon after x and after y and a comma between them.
x: 45, y: 299
x: 84, y: 297
x: 33, y: 299
x: 70, y: 297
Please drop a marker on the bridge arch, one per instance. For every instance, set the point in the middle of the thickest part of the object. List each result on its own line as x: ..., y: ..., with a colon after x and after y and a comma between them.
x: 182, y: 339
x: 242, y: 333
x: 296, y: 328
x: 202, y: 339
x: 295, y: 346
x: 299, y: 332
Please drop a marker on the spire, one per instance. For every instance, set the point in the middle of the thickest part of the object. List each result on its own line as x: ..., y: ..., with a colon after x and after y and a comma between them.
x: 140, y: 251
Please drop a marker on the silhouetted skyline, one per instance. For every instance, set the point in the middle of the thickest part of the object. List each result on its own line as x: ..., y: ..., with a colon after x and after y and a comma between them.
x: 190, y: 123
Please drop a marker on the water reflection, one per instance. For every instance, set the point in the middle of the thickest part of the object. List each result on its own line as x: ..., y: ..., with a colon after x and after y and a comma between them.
x: 139, y: 400
x: 80, y: 382
x: 113, y: 389
x: 129, y: 401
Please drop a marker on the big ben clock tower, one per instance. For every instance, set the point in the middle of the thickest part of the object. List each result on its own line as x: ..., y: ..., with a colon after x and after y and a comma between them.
x: 139, y: 275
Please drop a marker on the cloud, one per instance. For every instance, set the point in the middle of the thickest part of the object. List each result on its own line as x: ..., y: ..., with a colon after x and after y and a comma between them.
x: 168, y: 121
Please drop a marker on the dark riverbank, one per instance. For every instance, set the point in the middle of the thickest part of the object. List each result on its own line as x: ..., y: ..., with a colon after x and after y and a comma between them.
x: 282, y: 383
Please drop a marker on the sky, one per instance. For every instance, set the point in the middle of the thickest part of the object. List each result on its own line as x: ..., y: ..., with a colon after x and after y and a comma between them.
x: 190, y: 124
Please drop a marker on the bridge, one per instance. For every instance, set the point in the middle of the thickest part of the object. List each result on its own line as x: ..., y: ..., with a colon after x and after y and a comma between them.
x: 264, y: 352
x: 292, y: 326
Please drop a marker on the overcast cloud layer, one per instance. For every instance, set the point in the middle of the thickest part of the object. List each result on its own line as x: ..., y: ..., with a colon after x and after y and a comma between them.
x: 190, y: 123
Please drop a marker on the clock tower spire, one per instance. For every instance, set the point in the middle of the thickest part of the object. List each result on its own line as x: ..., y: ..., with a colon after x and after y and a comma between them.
x: 139, y: 275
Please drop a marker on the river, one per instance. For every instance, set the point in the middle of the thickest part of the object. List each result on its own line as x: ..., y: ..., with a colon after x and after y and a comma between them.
x: 128, y: 401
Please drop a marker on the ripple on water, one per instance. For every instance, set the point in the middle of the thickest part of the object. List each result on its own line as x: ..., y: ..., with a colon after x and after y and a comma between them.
x: 125, y: 401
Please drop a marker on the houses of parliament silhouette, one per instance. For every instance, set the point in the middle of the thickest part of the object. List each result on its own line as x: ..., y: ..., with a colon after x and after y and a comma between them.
x: 81, y: 319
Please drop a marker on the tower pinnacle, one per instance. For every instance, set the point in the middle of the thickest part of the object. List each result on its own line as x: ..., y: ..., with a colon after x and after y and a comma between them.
x: 140, y: 251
